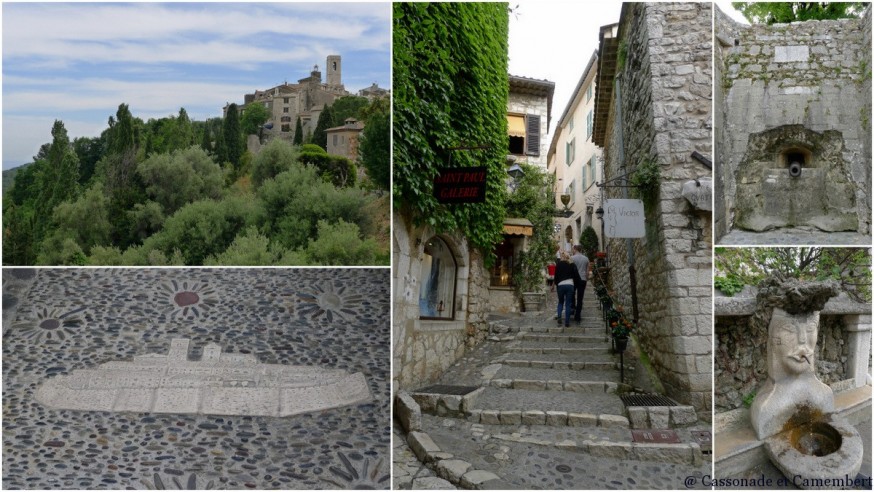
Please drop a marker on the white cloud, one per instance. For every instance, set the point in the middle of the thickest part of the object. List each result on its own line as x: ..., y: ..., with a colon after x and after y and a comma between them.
x: 155, y: 33
x: 60, y: 96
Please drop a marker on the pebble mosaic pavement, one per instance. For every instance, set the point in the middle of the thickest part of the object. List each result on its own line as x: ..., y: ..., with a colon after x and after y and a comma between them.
x: 59, y: 320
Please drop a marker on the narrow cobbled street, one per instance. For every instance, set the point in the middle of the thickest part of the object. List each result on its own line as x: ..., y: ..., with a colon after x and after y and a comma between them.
x: 542, y: 410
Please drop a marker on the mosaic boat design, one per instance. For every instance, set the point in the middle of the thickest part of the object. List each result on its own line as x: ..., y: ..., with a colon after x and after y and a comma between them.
x: 217, y: 384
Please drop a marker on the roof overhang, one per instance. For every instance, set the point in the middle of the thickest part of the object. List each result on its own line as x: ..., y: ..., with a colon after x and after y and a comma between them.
x: 535, y: 87
x: 608, y: 50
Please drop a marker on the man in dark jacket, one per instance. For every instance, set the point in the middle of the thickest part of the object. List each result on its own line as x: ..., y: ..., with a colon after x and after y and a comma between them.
x: 582, y: 263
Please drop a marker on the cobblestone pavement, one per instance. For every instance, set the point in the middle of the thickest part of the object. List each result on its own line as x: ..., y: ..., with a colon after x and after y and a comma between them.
x: 408, y: 472
x: 532, y: 466
x: 546, y: 456
x: 69, y: 319
x: 793, y: 237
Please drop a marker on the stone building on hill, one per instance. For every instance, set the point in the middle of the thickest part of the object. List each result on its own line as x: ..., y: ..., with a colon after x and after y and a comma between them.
x: 305, y: 99
x: 343, y: 140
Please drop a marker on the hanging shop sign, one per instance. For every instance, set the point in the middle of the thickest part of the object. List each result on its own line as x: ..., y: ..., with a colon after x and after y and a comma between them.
x: 460, y: 184
x: 623, y: 218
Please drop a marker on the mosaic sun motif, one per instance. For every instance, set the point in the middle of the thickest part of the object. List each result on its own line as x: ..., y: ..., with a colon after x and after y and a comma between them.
x: 187, y: 299
x: 51, y: 324
x: 363, y: 478
x: 328, y: 302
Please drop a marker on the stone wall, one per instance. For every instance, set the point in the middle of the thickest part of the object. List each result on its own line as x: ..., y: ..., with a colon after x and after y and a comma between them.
x: 529, y: 104
x: 423, y: 349
x: 815, y: 75
x: 740, y: 357
x: 665, y: 90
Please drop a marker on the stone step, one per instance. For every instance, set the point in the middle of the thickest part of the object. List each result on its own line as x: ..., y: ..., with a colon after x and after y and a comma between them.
x: 592, y: 374
x: 579, y: 351
x: 572, y: 330
x: 601, y: 401
x: 559, y: 361
x: 560, y: 338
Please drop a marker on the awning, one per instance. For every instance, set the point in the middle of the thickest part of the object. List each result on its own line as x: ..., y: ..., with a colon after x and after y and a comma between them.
x: 518, y: 227
x: 516, y: 125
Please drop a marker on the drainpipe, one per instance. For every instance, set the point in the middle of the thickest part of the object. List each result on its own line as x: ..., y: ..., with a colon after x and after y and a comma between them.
x: 629, y: 245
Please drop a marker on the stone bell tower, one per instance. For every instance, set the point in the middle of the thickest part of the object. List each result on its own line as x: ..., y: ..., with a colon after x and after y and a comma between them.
x: 333, y: 69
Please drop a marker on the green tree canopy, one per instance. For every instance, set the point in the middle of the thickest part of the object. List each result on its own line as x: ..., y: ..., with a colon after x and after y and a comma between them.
x: 347, y: 107
x: 850, y: 266
x: 254, y: 115
x: 589, y: 242
x: 276, y: 157
x: 58, y: 180
x: 785, y: 12
x: 375, y: 147
x: 184, y: 176
x: 298, y: 132
x: 326, y: 120
x: 233, y: 137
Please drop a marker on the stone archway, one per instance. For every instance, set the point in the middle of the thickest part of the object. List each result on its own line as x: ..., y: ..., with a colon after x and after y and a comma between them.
x: 792, y: 176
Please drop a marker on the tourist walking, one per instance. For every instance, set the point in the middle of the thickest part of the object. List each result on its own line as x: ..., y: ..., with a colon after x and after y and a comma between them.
x: 565, y: 279
x: 582, y: 263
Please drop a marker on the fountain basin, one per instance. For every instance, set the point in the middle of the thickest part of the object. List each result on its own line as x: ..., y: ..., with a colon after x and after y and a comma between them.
x: 817, y: 455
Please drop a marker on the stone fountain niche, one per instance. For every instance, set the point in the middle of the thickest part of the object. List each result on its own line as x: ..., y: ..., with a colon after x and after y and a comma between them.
x: 793, y: 411
x: 791, y: 176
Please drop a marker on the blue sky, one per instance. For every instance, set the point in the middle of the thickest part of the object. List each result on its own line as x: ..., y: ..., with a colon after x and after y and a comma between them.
x: 78, y: 61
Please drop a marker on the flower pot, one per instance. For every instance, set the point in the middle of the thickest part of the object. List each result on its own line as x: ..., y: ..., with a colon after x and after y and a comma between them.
x: 621, y: 343
x: 532, y: 301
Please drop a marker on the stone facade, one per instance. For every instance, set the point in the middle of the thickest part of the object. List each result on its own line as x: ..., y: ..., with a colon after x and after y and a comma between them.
x: 785, y: 93
x: 343, y: 140
x: 659, y: 112
x: 424, y: 348
x: 531, y: 97
x: 576, y: 161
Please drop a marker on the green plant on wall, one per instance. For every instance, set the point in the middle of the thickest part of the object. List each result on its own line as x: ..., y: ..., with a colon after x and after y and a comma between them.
x: 621, y: 55
x: 728, y: 285
x: 450, y: 88
x: 646, y: 179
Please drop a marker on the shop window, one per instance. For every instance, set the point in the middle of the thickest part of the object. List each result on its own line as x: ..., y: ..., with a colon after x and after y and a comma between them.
x: 437, y: 285
x: 502, y: 271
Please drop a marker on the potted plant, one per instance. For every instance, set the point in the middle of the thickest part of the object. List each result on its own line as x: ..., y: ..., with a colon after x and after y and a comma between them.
x: 528, y: 277
x: 621, y: 329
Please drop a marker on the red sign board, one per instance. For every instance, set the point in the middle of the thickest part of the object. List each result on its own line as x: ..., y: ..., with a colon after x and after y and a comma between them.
x: 460, y: 184
x: 655, y: 435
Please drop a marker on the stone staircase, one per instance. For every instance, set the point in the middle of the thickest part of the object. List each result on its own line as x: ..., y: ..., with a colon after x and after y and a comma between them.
x: 552, y: 393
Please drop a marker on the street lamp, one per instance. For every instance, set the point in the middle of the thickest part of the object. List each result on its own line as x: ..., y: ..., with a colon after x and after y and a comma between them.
x: 600, y: 213
x: 516, y: 172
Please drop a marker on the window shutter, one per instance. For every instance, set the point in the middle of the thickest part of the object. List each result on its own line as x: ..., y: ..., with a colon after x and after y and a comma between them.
x: 532, y: 137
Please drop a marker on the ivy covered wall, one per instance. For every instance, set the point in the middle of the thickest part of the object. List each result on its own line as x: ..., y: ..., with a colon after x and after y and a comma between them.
x: 450, y: 89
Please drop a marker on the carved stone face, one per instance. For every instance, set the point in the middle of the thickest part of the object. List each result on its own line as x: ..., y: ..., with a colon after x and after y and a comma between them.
x: 793, y: 341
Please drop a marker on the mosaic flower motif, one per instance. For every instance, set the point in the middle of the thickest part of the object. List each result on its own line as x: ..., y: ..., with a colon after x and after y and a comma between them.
x: 191, y: 484
x: 51, y: 324
x: 329, y: 303
x: 187, y: 298
x: 363, y: 478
